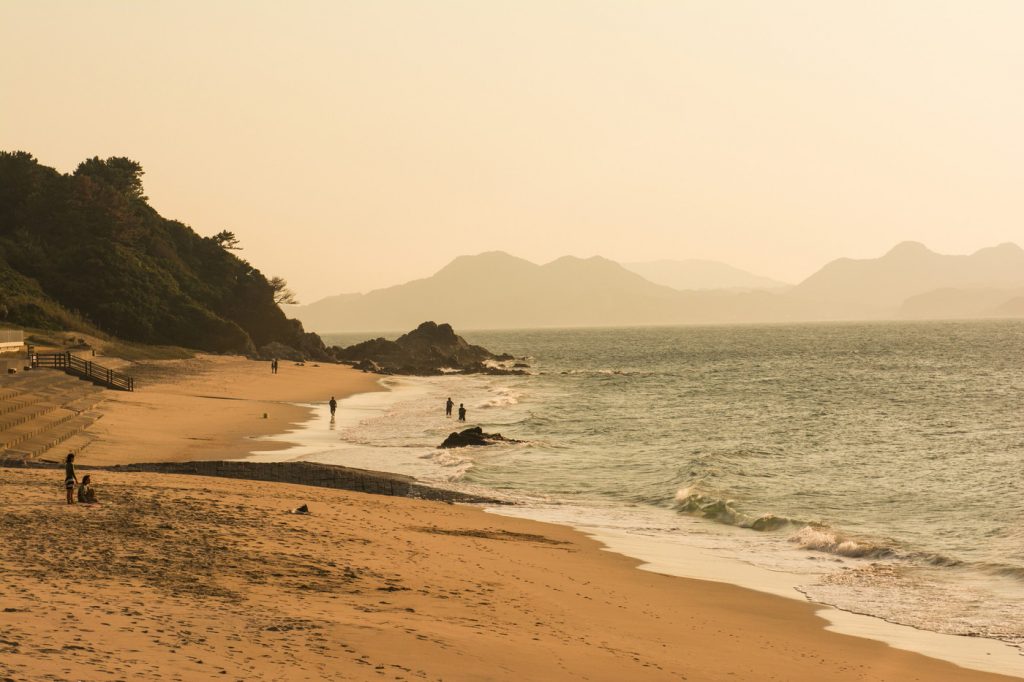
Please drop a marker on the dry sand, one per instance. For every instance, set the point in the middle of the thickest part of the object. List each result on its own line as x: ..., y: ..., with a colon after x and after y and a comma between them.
x: 193, y: 578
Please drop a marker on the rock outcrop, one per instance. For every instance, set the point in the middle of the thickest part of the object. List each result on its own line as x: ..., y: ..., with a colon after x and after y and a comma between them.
x: 429, y: 349
x: 474, y: 436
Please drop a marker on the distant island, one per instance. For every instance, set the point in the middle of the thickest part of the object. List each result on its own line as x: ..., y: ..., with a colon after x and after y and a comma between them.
x: 495, y: 290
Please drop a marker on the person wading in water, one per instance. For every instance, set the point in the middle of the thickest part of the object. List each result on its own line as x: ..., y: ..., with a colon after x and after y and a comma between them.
x: 448, y: 407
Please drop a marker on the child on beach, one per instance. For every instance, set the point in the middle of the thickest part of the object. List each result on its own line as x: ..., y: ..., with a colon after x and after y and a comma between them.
x: 334, y: 405
x: 86, y: 493
x: 70, y: 478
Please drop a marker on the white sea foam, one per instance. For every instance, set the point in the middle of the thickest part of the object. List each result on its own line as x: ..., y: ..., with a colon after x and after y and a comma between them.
x: 828, y: 540
x: 503, y: 397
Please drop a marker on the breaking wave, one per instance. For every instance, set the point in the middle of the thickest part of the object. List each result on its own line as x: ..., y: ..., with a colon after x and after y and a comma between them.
x: 807, y: 535
x: 691, y: 501
x: 824, y: 539
x: 504, y: 397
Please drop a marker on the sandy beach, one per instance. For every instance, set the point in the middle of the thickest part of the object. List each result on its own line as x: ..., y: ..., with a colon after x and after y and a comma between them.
x: 213, y: 407
x: 198, y: 578
x: 191, y: 578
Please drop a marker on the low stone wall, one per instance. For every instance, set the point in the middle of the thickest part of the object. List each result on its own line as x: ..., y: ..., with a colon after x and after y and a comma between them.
x: 300, y: 473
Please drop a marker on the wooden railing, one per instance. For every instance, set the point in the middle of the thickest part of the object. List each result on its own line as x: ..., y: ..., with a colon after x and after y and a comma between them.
x: 72, y: 364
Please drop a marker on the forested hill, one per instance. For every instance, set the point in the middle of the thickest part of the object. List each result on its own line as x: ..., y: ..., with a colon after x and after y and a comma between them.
x: 87, y: 246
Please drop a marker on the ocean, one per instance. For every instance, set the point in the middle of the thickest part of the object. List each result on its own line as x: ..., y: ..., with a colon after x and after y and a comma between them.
x: 879, y: 467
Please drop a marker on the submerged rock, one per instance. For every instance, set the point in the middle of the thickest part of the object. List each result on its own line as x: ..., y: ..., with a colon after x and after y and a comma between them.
x: 474, y: 436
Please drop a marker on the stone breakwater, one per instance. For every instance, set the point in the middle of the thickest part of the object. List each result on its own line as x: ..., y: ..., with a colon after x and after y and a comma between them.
x: 299, y: 473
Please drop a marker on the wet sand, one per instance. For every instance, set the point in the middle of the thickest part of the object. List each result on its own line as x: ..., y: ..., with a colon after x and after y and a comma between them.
x: 213, y: 407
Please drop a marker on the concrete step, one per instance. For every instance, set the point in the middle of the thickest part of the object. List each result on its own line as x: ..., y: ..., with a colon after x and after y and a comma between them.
x: 76, y: 444
x: 23, y: 414
x: 44, y: 411
x: 15, y: 435
x: 57, y: 435
x: 9, y: 393
x: 20, y: 401
x: 84, y: 403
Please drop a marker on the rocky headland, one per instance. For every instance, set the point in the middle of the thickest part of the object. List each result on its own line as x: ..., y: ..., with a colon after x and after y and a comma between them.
x: 430, y: 349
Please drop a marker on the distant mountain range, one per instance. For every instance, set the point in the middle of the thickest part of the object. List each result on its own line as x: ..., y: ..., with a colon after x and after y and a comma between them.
x: 699, y: 275
x: 495, y: 290
x: 911, y: 270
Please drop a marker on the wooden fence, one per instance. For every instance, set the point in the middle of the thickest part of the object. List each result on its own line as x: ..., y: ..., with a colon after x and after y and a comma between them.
x: 86, y: 369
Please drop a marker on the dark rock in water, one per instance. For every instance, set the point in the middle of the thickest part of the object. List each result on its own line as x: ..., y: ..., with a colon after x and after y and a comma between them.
x: 474, y: 436
x: 430, y: 349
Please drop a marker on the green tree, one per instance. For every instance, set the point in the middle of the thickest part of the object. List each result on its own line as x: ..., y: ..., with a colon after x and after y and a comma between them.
x: 282, y: 294
x: 118, y: 172
x: 227, y: 240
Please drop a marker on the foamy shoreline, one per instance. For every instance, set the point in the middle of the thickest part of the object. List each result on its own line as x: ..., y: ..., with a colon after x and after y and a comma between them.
x: 659, y: 555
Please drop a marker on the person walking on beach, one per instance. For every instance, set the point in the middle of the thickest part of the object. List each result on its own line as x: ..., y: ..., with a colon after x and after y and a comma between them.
x: 448, y: 407
x: 462, y: 413
x: 70, y: 477
x: 273, y: 366
x: 334, y: 406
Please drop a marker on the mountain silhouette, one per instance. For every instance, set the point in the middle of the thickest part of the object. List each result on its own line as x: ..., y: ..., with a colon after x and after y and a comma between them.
x: 910, y: 269
x: 700, y: 275
x: 495, y: 290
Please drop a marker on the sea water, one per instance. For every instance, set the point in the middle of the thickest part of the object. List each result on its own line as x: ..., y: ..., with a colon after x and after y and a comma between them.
x: 878, y: 467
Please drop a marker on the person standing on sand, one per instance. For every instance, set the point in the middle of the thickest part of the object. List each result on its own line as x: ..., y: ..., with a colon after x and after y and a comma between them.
x: 273, y: 366
x: 462, y: 413
x: 334, y: 406
x: 70, y: 477
x: 448, y: 407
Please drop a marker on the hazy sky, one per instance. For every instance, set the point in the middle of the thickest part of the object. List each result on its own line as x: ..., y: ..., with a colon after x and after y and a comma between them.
x: 355, y: 145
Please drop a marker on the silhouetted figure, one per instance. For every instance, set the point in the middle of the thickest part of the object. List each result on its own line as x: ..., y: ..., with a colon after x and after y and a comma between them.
x: 462, y: 413
x: 86, y: 493
x: 70, y: 477
x: 334, y: 406
x: 273, y: 366
x: 448, y: 407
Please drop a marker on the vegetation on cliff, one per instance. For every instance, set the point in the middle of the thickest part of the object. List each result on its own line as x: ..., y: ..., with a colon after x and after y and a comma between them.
x: 86, y: 249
